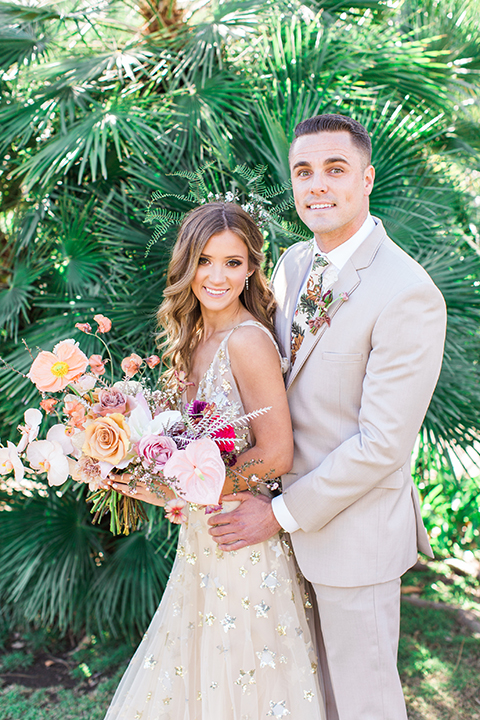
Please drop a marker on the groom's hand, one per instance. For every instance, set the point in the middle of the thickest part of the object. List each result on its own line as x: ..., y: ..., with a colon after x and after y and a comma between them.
x: 251, y: 522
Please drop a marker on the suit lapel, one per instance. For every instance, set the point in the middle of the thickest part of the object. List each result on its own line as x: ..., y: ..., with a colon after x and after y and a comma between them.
x: 348, y: 281
x: 287, y: 291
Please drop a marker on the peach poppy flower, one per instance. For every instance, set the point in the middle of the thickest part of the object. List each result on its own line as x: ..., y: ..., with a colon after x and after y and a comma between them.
x: 131, y: 364
x: 104, y: 324
x: 199, y: 471
x: 53, y: 371
x: 97, y: 366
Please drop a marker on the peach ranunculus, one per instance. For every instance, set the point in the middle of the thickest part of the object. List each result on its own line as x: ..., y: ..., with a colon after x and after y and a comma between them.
x: 152, y: 361
x: 107, y: 439
x: 53, y: 371
x: 104, y: 324
x: 97, y: 366
x: 199, y: 471
x: 131, y: 364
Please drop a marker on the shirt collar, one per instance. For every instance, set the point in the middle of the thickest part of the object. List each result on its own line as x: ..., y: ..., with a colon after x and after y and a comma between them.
x: 340, y: 255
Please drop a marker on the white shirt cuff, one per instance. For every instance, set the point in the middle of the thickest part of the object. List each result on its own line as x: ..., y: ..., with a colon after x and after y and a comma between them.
x: 283, y: 515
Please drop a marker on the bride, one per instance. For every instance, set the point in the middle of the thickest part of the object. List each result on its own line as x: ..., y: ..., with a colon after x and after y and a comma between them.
x: 230, y: 639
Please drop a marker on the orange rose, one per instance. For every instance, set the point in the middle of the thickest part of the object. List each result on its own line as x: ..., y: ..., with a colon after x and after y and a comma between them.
x: 107, y: 439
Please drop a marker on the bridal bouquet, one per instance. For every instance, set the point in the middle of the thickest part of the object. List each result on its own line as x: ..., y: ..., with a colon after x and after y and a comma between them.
x: 123, y: 427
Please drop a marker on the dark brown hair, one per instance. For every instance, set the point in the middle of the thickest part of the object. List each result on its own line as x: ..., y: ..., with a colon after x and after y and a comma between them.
x: 179, y: 316
x: 337, y: 123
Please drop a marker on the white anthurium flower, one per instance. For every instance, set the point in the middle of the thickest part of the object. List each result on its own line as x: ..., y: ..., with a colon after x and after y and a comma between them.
x: 46, y: 456
x: 63, y: 435
x: 84, y: 384
x: 141, y: 422
x: 9, y: 461
x: 33, y: 419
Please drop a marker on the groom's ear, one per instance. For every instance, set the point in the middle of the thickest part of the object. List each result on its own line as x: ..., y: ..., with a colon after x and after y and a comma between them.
x: 368, y: 179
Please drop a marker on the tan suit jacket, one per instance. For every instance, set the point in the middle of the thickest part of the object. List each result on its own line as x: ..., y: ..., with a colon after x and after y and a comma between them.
x: 358, y: 393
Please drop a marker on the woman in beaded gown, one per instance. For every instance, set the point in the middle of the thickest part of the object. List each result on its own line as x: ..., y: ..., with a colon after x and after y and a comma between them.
x: 230, y: 639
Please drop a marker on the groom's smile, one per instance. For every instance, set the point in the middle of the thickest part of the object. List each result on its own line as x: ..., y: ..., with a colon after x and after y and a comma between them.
x: 331, y: 185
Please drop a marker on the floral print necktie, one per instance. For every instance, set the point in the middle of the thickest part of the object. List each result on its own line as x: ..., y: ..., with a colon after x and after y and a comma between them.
x: 309, y: 303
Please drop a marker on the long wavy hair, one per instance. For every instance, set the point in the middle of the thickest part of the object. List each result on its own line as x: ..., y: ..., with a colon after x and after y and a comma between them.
x: 179, y: 316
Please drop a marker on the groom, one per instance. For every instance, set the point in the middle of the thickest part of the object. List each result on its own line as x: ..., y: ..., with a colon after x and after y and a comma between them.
x: 363, y: 369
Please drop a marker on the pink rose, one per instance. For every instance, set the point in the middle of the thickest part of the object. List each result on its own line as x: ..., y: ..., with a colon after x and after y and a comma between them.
x: 131, y: 364
x: 104, y: 324
x: 155, y: 449
x: 110, y: 401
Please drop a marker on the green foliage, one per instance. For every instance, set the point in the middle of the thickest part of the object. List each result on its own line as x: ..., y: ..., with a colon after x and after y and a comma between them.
x: 16, y: 660
x: 450, y: 507
x: 67, y: 574
x: 103, y: 105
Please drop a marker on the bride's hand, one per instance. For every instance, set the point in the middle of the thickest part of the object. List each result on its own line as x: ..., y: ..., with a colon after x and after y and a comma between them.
x: 120, y: 483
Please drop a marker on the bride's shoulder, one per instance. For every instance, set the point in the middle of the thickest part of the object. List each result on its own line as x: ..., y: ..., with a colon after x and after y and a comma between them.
x: 251, y: 343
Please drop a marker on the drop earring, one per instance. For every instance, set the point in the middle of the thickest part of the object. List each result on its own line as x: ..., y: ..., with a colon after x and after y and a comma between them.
x: 246, y: 283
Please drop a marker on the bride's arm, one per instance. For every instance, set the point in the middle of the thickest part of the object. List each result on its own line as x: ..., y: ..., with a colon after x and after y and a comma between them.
x: 256, y: 367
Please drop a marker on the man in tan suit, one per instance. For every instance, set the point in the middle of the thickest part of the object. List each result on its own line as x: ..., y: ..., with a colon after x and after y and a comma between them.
x: 365, y: 334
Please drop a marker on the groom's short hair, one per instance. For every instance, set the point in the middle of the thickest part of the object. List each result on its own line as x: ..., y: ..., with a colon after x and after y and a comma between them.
x: 337, y: 123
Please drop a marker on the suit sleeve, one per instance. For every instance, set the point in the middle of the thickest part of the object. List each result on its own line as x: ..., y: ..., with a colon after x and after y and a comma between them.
x: 401, y: 374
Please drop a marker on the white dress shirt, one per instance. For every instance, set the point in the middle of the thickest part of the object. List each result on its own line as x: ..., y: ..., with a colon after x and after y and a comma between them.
x: 338, y: 257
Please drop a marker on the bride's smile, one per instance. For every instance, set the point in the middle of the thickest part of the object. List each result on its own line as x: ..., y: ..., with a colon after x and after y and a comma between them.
x: 222, y: 269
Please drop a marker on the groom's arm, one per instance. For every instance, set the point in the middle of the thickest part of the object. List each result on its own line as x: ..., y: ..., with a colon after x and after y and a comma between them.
x: 401, y: 374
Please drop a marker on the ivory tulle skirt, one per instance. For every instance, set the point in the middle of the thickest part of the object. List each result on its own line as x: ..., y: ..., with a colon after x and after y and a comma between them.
x: 229, y: 641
